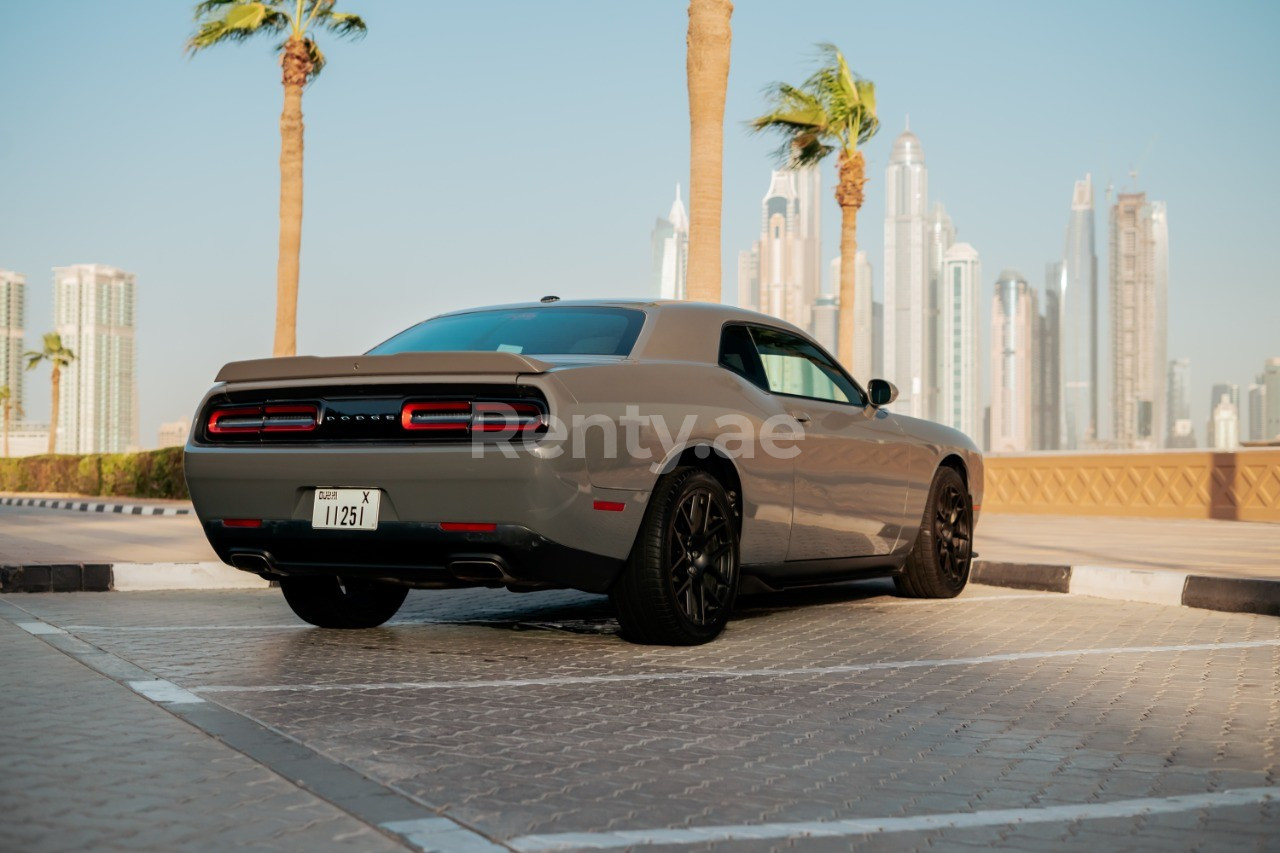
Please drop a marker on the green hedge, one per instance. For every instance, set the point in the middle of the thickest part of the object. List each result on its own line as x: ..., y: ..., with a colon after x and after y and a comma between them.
x: 150, y: 474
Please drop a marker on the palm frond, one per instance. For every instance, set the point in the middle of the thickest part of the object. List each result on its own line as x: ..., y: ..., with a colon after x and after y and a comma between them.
x: 342, y: 23
x: 236, y: 21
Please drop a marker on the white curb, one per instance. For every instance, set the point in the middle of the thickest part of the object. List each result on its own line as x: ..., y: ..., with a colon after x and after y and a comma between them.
x: 141, y: 577
x: 1155, y: 586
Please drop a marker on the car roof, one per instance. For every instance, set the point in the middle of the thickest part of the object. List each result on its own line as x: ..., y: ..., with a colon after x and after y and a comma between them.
x: 676, y: 330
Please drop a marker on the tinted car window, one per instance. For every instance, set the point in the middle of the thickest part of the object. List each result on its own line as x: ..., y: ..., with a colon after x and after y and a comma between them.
x: 529, y: 331
x: 796, y: 367
x: 738, y: 353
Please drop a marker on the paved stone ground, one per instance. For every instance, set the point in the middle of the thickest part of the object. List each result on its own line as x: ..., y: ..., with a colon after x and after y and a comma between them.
x: 1229, y: 548
x: 526, y: 718
x: 86, y: 764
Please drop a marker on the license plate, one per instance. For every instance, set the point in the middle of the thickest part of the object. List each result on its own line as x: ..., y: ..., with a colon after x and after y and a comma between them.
x: 345, y: 509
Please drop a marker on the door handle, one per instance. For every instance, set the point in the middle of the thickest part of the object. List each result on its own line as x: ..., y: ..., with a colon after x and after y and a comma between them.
x: 802, y: 417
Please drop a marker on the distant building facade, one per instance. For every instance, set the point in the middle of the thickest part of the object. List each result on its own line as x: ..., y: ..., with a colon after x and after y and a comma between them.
x: 958, y: 340
x: 1258, y: 409
x: 1013, y: 323
x: 781, y: 274
x: 669, y: 242
x: 1139, y: 314
x: 907, y: 275
x: 1271, y: 401
x: 172, y: 433
x: 94, y: 308
x: 13, y: 287
x: 1078, y: 323
x: 1178, y: 403
x: 1225, y: 425
x: 1047, y: 420
x: 865, y: 341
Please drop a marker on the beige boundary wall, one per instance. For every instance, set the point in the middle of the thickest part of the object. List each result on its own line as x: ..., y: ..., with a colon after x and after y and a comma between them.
x: 1243, y: 485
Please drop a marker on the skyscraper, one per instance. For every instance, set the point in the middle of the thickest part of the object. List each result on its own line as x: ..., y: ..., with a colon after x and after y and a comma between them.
x: 93, y: 308
x: 12, y: 313
x: 865, y: 342
x: 941, y: 234
x: 906, y: 275
x: 1078, y: 324
x: 1258, y: 410
x: 670, y: 245
x: 1139, y: 314
x: 826, y: 312
x: 1271, y: 412
x: 1178, y: 403
x: 1013, y: 322
x: 1224, y: 433
x: 783, y: 275
x: 958, y: 321
x: 1047, y: 421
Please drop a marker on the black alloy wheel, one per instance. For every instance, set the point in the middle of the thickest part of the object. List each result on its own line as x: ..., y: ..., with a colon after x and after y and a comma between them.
x: 939, y: 563
x: 681, y: 579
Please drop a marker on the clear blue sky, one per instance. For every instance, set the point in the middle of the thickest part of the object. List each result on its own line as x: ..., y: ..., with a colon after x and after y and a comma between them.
x: 468, y: 153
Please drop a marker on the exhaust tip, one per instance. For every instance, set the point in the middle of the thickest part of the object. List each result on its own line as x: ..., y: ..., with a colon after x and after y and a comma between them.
x: 256, y: 563
x: 479, y: 570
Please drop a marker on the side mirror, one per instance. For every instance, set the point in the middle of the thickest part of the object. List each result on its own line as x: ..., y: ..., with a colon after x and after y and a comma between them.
x: 882, y: 392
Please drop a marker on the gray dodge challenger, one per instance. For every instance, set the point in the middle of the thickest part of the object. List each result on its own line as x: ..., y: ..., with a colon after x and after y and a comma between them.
x: 669, y: 454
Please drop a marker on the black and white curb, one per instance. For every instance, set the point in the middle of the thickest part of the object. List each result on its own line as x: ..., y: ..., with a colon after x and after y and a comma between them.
x: 1156, y: 586
x: 124, y: 577
x: 96, y: 506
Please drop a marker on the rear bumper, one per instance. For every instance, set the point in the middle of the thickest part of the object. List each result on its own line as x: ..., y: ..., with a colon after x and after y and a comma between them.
x: 415, y: 554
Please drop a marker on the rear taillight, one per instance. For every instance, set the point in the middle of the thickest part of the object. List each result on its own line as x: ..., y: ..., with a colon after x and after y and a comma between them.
x: 436, y: 416
x: 514, y: 418
x: 462, y: 418
x: 251, y: 420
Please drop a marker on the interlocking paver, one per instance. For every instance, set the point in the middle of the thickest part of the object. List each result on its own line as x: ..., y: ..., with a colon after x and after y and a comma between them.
x: 810, y: 745
x: 88, y: 765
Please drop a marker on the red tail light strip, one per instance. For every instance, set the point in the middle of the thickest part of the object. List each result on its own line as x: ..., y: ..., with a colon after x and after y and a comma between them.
x: 468, y: 527
x: 436, y: 416
x: 255, y: 419
x: 463, y: 417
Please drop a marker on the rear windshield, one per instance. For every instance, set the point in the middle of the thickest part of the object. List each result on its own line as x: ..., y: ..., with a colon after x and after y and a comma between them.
x: 530, y: 331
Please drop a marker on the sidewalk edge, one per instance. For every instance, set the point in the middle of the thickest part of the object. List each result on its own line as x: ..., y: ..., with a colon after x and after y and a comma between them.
x: 1159, y: 586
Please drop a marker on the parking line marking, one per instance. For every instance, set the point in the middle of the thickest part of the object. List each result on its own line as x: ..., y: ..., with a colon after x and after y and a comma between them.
x: 441, y: 835
x: 693, y: 675
x: 39, y: 628
x: 164, y: 692
x: 865, y: 826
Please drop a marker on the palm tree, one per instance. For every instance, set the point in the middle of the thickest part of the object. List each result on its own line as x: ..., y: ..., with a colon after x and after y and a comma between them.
x: 707, y: 67
x: 9, y: 405
x: 301, y: 60
x: 58, y: 357
x: 833, y: 109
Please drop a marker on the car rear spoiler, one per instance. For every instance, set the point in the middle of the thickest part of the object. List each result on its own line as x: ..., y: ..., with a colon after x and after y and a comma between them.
x: 400, y: 364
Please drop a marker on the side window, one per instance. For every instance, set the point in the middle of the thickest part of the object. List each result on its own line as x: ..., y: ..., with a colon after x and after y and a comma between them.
x: 738, y: 353
x: 796, y: 367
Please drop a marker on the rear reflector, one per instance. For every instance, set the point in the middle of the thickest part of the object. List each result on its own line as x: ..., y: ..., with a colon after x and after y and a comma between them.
x: 241, y: 522
x: 467, y: 527
x: 609, y: 506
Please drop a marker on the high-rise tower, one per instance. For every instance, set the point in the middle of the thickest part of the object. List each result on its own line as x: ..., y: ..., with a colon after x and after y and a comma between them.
x: 1078, y: 324
x: 93, y: 309
x: 1013, y: 323
x: 959, y: 371
x: 782, y: 274
x: 1139, y: 285
x: 12, y: 311
x: 670, y: 244
x: 907, y: 274
x: 1178, y: 402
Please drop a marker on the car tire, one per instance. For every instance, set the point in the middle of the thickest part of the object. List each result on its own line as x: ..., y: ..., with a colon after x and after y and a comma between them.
x: 681, y: 580
x: 939, y: 562
x: 333, y: 602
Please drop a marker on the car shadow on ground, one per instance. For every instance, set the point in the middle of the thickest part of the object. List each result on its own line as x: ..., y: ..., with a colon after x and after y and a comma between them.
x: 582, y: 613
